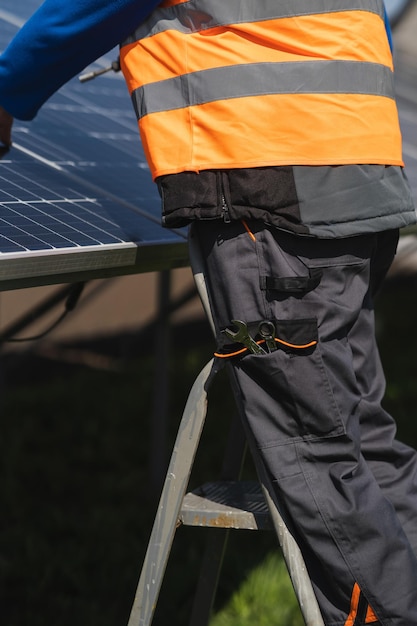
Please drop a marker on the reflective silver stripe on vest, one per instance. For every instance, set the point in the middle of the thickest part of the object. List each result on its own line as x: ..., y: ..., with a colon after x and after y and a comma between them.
x: 239, y: 81
x: 197, y: 15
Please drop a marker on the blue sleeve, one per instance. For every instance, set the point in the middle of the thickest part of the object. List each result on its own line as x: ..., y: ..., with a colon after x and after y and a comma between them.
x: 60, y: 39
x: 388, y: 28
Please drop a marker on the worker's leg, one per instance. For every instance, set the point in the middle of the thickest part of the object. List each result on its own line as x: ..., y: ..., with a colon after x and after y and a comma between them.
x: 304, y: 409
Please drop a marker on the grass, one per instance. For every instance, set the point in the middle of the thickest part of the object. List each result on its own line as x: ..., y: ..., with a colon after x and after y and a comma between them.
x: 77, y: 503
x: 266, y: 597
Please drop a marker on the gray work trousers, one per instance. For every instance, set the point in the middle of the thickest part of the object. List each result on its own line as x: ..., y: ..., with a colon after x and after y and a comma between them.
x: 313, y: 409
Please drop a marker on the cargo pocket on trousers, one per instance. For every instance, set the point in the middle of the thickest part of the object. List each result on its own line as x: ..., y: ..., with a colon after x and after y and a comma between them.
x: 297, y: 398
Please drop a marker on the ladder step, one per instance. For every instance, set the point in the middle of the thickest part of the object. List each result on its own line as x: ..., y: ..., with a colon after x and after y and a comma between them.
x: 226, y: 504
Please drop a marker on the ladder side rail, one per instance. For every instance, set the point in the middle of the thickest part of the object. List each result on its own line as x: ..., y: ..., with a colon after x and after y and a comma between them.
x: 172, y: 495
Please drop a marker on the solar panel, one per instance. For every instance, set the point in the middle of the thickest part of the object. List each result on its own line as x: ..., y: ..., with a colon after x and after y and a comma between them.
x: 76, y: 197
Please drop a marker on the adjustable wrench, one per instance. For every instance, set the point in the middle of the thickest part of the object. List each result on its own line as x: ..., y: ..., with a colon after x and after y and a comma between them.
x: 242, y: 336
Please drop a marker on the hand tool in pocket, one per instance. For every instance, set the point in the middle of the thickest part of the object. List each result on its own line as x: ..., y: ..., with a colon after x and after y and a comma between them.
x: 266, y: 329
x: 242, y: 336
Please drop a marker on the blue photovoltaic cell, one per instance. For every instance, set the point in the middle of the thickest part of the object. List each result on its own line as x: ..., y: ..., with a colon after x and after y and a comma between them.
x: 76, y: 178
x: 32, y: 214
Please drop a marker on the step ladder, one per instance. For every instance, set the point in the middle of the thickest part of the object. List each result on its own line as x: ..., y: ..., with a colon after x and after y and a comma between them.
x: 225, y: 505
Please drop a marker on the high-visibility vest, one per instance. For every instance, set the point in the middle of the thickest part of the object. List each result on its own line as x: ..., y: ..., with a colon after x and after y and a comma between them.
x: 219, y: 84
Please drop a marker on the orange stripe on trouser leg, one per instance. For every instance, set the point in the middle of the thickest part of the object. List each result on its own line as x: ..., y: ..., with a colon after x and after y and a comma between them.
x: 370, y: 616
x: 354, y: 602
x: 354, y: 605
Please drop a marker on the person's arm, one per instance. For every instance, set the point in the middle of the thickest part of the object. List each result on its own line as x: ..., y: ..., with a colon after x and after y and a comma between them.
x: 60, y: 39
x: 388, y: 28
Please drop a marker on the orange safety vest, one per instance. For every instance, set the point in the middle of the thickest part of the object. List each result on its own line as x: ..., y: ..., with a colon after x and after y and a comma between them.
x: 219, y: 84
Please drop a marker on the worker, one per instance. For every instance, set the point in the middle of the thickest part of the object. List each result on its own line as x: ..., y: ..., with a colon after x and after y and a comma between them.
x: 271, y: 128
